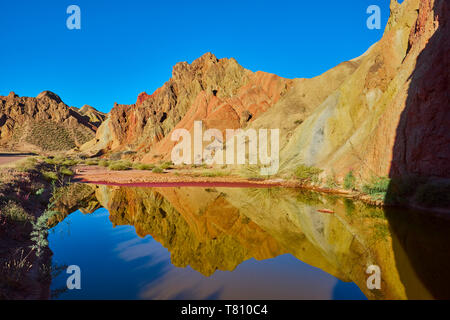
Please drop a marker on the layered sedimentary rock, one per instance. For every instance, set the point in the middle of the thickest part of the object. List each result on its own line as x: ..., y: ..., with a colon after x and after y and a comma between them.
x: 44, y: 123
x: 391, y: 115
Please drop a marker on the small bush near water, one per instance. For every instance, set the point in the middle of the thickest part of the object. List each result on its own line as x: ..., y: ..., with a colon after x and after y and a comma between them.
x: 307, y: 174
x: 143, y: 166
x: 157, y: 170
x: 377, y: 187
x: 349, y: 181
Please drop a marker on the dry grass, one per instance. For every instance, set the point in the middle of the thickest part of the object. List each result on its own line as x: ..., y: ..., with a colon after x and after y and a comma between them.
x: 50, y: 136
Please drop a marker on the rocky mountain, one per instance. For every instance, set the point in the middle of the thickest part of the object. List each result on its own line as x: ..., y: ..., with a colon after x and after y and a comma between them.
x: 384, y: 113
x: 218, y: 91
x: 45, y: 123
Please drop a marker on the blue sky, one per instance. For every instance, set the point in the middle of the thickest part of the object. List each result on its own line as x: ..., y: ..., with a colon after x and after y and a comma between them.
x: 126, y: 47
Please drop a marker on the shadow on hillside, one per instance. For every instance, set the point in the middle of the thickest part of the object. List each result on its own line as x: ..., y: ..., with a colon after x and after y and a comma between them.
x: 421, y: 242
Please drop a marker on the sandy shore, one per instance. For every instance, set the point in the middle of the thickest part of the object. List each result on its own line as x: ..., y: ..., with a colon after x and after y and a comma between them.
x: 100, y: 175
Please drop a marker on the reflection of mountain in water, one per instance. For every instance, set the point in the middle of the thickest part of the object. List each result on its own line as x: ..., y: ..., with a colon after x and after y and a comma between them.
x: 219, y: 228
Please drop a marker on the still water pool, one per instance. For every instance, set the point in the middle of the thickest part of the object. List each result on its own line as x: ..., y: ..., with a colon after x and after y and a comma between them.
x: 235, y: 243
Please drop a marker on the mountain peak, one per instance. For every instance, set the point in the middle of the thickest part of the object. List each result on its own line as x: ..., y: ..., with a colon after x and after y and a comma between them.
x: 50, y: 95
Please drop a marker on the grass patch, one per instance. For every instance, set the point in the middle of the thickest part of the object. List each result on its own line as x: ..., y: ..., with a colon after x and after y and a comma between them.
x: 214, y: 173
x: 166, y: 165
x: 15, y: 212
x: 50, y: 176
x: 50, y: 136
x: 29, y: 164
x: 66, y: 172
x: 69, y: 162
x: 91, y: 162
x: 103, y: 163
x: 143, y: 166
x: 377, y: 187
x: 349, y: 181
x: 157, y: 170
x: 119, y: 166
x: 307, y: 174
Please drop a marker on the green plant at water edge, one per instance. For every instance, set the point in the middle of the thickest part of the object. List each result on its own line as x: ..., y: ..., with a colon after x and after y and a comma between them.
x: 166, y: 165
x: 307, y: 174
x: 349, y: 207
x: 377, y: 187
x: 41, y: 226
x: 157, y: 170
x: 349, y: 181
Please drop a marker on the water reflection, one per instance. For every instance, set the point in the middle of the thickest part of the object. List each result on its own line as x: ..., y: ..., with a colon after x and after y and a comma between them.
x: 303, y: 253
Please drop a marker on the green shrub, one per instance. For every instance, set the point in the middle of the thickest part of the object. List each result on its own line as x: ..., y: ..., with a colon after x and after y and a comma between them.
x: 166, y: 165
x: 69, y: 162
x: 377, y: 187
x: 157, y: 170
x: 119, y: 165
x: 143, y: 166
x: 349, y: 181
x: 91, y: 162
x: 307, y: 174
x: 103, y: 163
x: 66, y: 172
x: 50, y: 176
x: 214, y: 173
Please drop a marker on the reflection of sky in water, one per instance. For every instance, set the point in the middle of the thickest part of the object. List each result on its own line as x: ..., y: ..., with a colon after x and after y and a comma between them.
x: 117, y: 264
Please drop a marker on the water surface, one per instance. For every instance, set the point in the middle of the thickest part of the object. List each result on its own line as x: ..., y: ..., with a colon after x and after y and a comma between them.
x: 239, y: 243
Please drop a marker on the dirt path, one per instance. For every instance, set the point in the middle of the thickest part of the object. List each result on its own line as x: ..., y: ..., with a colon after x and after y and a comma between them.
x: 170, y: 178
x: 7, y: 158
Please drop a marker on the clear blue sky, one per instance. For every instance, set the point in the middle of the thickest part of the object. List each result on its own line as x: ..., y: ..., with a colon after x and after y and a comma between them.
x: 126, y: 47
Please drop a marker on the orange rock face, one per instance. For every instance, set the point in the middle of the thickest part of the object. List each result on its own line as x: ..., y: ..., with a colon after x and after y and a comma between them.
x: 220, y: 92
x: 423, y: 136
